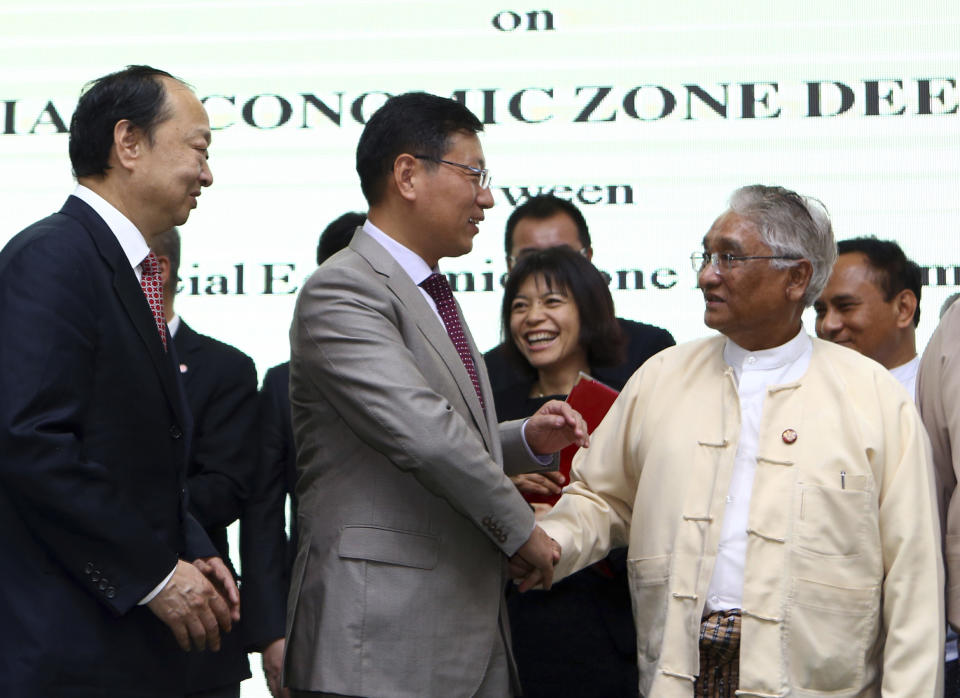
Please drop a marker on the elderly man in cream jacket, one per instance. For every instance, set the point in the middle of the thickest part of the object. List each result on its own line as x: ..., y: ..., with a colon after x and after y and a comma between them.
x: 776, y: 491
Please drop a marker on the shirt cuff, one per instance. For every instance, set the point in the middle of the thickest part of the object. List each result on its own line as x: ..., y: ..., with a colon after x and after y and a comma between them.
x: 157, y: 589
x: 542, y: 460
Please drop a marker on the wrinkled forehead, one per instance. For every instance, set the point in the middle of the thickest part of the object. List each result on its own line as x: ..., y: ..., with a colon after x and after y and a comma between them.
x: 732, y: 233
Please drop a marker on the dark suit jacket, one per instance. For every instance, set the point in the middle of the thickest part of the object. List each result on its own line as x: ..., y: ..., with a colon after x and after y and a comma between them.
x: 643, y: 341
x: 93, y: 442
x: 221, y: 386
x: 266, y: 552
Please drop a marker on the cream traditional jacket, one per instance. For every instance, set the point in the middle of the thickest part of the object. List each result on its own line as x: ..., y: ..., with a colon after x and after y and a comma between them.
x: 938, y: 393
x: 844, y: 578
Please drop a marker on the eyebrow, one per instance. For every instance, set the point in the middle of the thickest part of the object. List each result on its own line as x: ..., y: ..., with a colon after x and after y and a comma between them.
x: 730, y: 244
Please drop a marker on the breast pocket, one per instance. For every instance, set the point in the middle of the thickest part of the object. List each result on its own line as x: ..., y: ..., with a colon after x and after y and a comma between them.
x: 832, y: 521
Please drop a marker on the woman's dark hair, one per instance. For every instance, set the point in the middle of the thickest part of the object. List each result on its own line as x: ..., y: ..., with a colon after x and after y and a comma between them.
x: 565, y: 270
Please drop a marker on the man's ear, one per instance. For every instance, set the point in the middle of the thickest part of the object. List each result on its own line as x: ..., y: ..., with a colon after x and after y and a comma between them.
x: 128, y: 143
x: 798, y: 278
x: 406, y: 169
x: 905, y: 305
x: 164, y: 269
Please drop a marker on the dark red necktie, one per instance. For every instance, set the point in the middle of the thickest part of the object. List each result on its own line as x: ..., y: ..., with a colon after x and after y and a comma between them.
x: 153, y: 290
x: 438, y: 288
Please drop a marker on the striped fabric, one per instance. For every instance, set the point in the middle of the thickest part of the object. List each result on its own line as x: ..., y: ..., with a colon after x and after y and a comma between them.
x: 719, y: 655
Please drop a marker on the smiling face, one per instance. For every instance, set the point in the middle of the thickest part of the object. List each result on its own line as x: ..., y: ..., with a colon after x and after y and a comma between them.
x: 171, y: 170
x: 752, y: 303
x: 545, y: 326
x: 450, y: 202
x: 852, y: 311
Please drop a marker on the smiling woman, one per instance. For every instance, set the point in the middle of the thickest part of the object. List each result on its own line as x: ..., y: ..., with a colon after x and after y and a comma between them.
x: 578, y: 639
x: 558, y: 312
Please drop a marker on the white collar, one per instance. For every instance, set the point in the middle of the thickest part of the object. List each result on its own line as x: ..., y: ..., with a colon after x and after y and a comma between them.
x: 777, y: 357
x: 410, y: 261
x: 131, y: 240
x: 906, y: 373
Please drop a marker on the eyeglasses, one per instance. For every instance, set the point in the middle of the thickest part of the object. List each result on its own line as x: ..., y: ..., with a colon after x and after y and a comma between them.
x: 511, y: 260
x: 483, y: 175
x: 723, y: 261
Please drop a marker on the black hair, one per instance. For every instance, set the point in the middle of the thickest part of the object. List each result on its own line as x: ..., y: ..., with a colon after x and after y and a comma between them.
x: 338, y: 234
x: 417, y: 123
x: 564, y: 269
x: 136, y: 93
x: 893, y: 271
x: 541, y: 207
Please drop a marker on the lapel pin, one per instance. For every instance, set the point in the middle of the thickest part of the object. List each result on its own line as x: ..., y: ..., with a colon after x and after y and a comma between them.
x: 183, y: 369
x: 789, y: 436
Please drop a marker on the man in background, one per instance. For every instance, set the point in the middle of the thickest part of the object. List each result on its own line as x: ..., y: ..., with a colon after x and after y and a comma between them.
x: 548, y: 221
x: 221, y: 386
x: 266, y: 548
x: 100, y: 551
x: 872, y: 304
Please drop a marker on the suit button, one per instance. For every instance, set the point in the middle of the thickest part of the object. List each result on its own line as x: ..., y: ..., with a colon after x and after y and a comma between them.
x: 175, y: 432
x: 111, y: 592
x: 88, y: 568
x: 485, y: 521
x: 502, y: 538
x: 95, y: 577
x: 104, y: 583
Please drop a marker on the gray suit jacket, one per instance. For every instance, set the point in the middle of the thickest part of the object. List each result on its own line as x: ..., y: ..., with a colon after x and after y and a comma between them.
x: 405, y: 512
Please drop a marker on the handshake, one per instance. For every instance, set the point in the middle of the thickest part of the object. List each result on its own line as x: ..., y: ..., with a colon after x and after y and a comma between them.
x: 533, y: 563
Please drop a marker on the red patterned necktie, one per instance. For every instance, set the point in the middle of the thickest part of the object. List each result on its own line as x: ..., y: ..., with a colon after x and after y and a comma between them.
x: 153, y: 290
x: 438, y: 288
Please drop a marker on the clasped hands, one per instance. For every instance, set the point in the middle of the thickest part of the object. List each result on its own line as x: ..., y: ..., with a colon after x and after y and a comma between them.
x: 198, y: 601
x: 533, y: 563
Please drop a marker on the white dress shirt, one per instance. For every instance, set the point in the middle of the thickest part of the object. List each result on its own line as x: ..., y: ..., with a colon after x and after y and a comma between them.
x: 906, y: 374
x: 754, y: 372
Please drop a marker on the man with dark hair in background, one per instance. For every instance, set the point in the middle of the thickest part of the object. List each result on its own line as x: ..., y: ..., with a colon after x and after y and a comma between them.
x: 265, y: 548
x: 406, y: 515
x: 872, y: 304
x: 549, y: 221
x: 94, y: 428
x: 221, y: 386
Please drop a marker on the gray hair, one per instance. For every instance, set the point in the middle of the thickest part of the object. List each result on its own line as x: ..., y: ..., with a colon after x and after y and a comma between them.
x: 791, y: 225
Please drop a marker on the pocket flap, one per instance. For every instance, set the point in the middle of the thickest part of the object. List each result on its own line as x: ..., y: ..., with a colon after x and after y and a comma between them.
x: 389, y: 545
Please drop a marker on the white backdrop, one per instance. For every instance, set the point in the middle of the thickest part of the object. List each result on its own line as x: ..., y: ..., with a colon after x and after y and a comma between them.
x: 646, y: 114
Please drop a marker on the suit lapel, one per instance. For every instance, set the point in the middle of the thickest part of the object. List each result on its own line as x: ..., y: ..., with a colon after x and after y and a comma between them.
x: 432, y: 328
x: 131, y: 297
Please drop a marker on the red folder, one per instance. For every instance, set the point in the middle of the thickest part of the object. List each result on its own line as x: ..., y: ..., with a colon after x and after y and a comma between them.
x: 592, y: 399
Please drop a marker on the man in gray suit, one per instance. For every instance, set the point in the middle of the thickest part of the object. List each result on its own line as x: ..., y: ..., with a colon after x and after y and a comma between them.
x: 406, y: 517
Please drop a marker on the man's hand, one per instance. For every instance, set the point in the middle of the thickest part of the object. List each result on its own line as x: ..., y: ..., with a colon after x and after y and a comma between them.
x: 549, y: 482
x: 218, y: 573
x: 533, y: 562
x: 192, y: 608
x: 273, y: 668
x: 553, y: 427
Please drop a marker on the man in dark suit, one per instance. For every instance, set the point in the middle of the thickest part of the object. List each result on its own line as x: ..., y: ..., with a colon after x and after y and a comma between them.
x: 406, y: 516
x: 94, y: 429
x: 549, y: 221
x: 221, y: 386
